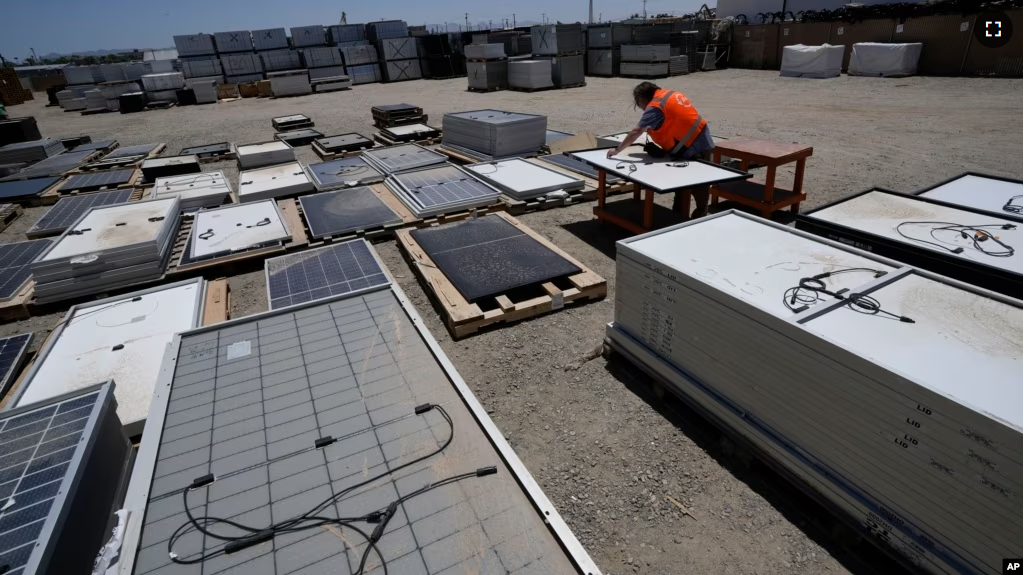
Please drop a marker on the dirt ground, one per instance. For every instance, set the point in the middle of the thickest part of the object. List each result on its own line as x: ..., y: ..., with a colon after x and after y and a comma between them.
x: 605, y: 448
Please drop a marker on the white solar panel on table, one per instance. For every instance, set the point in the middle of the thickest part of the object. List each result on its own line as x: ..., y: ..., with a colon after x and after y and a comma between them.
x: 325, y: 272
x: 404, y: 157
x: 14, y: 261
x: 97, y: 180
x: 67, y: 211
x: 659, y: 174
x: 12, y: 353
x: 444, y: 188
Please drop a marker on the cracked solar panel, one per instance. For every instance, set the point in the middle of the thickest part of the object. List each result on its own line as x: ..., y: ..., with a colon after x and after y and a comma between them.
x: 14, y: 265
x: 97, y: 180
x: 343, y: 172
x: 317, y: 274
x: 331, y: 213
x: 443, y: 185
x: 67, y: 211
x: 247, y: 402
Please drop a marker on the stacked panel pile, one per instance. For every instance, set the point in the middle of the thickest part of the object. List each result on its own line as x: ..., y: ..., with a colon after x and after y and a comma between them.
x: 603, y: 61
x: 652, y: 34
x: 340, y: 33
x: 361, y: 64
x: 509, y: 39
x: 94, y: 100
x: 230, y: 42
x: 163, y: 87
x: 399, y: 59
x: 240, y: 68
x: 568, y: 71
x: 270, y: 39
x: 442, y: 56
x: 195, y: 45
x: 494, y: 134
x: 289, y: 83
x: 194, y: 191
x: 387, y: 29
x: 876, y: 404
x: 112, y: 93
x: 530, y: 74
x: 278, y: 60
x: 29, y: 152
x: 77, y: 75
x: 486, y: 67
x: 109, y: 247
x: 205, y: 90
x: 201, y: 67
x: 70, y: 100
x: 645, y: 60
x: 261, y: 154
x: 329, y: 79
x: 303, y: 36
x: 322, y: 56
x: 678, y: 65
x: 685, y: 44
x: 556, y: 39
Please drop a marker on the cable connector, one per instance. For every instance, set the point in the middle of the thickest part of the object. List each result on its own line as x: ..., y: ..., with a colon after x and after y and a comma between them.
x: 421, y: 409
x: 958, y: 251
x: 490, y: 470
x: 240, y: 544
x: 880, y: 273
x: 202, y: 481
x: 1009, y: 227
x: 378, y: 532
x: 323, y: 442
x: 906, y: 319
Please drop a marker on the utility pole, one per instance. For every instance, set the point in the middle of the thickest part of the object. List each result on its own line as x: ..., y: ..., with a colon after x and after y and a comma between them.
x: 543, y: 18
x: 513, y: 20
x: 591, y: 16
x: 645, y: 10
x: 467, y: 21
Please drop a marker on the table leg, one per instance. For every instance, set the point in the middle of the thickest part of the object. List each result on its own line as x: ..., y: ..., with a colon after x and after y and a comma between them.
x: 687, y: 195
x: 795, y: 208
x: 649, y: 209
x: 636, y: 192
x: 769, y: 185
x: 602, y: 179
x: 798, y: 177
x: 716, y: 156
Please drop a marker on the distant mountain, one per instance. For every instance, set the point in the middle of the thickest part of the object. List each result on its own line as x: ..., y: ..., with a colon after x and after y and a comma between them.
x: 54, y: 55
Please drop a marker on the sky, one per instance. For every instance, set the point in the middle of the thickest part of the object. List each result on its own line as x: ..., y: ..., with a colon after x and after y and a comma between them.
x: 67, y: 26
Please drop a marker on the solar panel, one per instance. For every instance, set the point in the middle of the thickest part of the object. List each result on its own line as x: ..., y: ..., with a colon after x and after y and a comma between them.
x: 20, y: 188
x: 58, y: 494
x: 143, y: 150
x: 67, y: 211
x: 14, y: 265
x: 107, y: 163
x: 298, y: 137
x: 344, y: 143
x: 443, y: 187
x: 577, y: 166
x: 53, y: 166
x: 489, y: 256
x: 207, y: 150
x: 344, y: 211
x: 97, y: 180
x: 343, y: 172
x: 12, y: 353
x: 351, y: 371
x: 322, y: 273
x: 404, y: 157
x: 101, y: 145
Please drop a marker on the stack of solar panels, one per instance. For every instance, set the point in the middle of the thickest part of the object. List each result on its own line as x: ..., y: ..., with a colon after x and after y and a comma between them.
x: 386, y: 29
x: 442, y: 56
x: 201, y: 67
x: 290, y: 83
x: 361, y: 64
x: 194, y: 191
x: 486, y: 66
x: 263, y: 154
x: 557, y: 39
x: 678, y: 65
x: 402, y: 157
x: 70, y: 100
x: 163, y: 87
x: 399, y: 59
x: 54, y: 165
x: 322, y: 56
x: 524, y: 180
x: 645, y: 60
x: 440, y: 189
x: 340, y: 144
x: 278, y: 60
x: 329, y: 79
x: 886, y: 418
x: 652, y: 34
x: 410, y: 133
x: 109, y: 247
x: 343, y: 33
x: 195, y: 45
x: 112, y: 93
x: 205, y: 91
x: 94, y: 100
x: 132, y: 102
x: 603, y: 62
x: 77, y: 75
x: 568, y: 71
x: 609, y: 36
x: 241, y: 68
x: 67, y: 211
x: 303, y: 36
x: 485, y: 51
x: 28, y: 152
x: 530, y: 74
x: 236, y: 41
x: 269, y: 39
x: 153, y: 168
x: 495, y: 134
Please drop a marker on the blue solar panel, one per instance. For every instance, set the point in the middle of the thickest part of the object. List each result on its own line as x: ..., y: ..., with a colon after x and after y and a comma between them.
x: 67, y: 211
x: 326, y: 272
x: 14, y: 265
x: 19, y: 188
x: 12, y: 353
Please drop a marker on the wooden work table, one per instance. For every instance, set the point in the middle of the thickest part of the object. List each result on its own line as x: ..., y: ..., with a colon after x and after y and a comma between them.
x: 767, y: 197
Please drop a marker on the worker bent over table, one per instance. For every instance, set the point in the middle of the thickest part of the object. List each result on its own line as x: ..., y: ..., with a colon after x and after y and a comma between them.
x: 676, y: 130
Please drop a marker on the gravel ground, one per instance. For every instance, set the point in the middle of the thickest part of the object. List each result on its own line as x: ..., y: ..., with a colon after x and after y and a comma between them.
x: 606, y: 449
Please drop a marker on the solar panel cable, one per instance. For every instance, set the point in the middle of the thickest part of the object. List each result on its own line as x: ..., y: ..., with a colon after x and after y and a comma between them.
x: 1013, y: 208
x: 811, y: 290
x: 977, y: 235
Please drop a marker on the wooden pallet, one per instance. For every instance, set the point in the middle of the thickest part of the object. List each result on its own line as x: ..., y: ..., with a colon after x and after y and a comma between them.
x: 217, y: 303
x: 17, y: 307
x: 239, y: 262
x: 464, y: 318
x: 8, y: 214
x: 386, y: 141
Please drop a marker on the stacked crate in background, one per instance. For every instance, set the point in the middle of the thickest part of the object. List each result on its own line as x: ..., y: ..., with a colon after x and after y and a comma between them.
x: 604, y: 48
x: 645, y: 60
x: 486, y: 67
x: 398, y: 52
x: 198, y: 56
x: 442, y: 56
x: 276, y: 54
x: 563, y: 45
x: 11, y: 91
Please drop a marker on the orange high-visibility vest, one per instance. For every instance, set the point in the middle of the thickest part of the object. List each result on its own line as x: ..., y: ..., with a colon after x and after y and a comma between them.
x: 682, y: 123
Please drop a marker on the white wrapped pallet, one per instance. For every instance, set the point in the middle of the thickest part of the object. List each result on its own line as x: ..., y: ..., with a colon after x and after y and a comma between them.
x: 800, y: 61
x: 168, y: 81
x: 884, y: 60
x: 289, y: 83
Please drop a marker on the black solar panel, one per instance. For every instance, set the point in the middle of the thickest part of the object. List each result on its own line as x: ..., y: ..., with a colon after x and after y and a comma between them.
x: 207, y: 150
x: 67, y: 211
x: 344, y: 211
x: 97, y: 180
x: 143, y: 149
x: 577, y: 166
x: 19, y: 188
x: 317, y: 274
x: 298, y: 137
x: 488, y: 256
x: 54, y: 165
x: 101, y: 145
x: 12, y: 353
x: 14, y: 265
x: 443, y: 185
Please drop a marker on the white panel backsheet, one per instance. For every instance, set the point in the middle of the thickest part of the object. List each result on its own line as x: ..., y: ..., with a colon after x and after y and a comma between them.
x: 237, y: 227
x: 523, y: 178
x: 114, y: 227
x: 84, y: 351
x: 751, y: 261
x: 962, y: 345
x: 880, y: 213
x: 660, y: 174
x: 980, y: 193
x: 273, y: 182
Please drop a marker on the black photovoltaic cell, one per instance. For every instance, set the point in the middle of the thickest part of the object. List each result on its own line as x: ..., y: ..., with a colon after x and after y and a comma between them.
x: 68, y: 210
x: 443, y: 185
x: 97, y: 180
x: 143, y: 149
x: 20, y: 188
x: 14, y: 261
x: 343, y: 211
x: 54, y: 165
x: 12, y: 352
x: 317, y: 274
x: 488, y: 256
x: 35, y: 451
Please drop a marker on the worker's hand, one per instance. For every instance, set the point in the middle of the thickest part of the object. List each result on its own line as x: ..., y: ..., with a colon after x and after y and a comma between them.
x: 612, y: 152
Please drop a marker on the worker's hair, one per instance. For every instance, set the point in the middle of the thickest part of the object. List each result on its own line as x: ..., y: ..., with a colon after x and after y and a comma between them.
x: 644, y: 93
